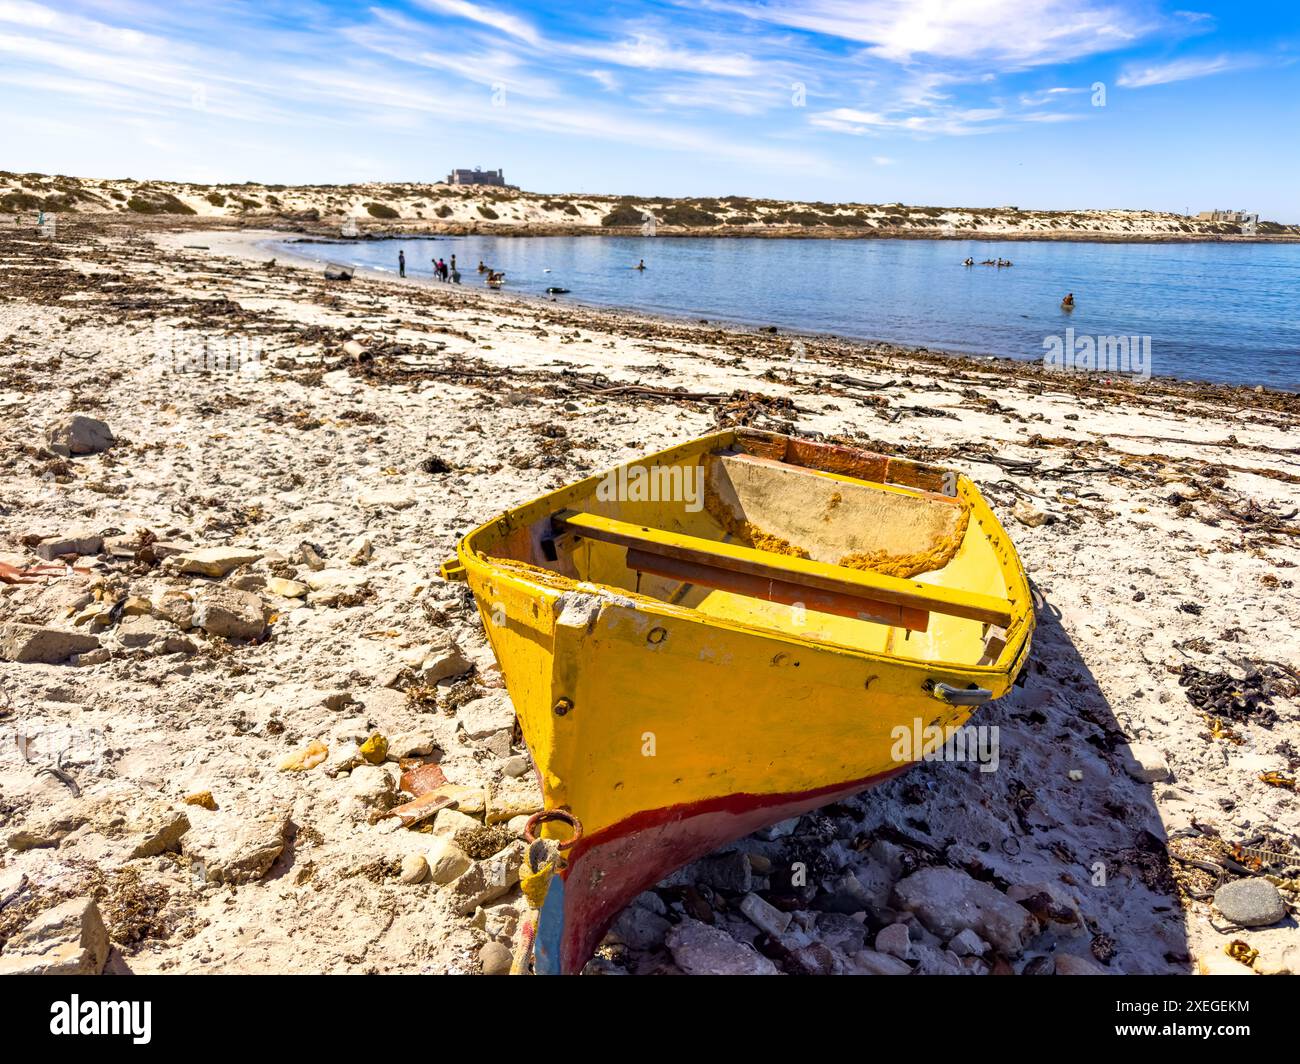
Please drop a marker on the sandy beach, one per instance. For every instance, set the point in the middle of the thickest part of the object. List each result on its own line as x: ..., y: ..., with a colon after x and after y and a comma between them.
x: 331, y: 442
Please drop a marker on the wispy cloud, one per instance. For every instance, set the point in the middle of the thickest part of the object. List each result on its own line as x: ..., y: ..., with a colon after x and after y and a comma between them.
x: 1144, y: 76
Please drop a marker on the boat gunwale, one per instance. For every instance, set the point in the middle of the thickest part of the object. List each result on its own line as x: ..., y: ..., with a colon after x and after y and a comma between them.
x: 1008, y: 663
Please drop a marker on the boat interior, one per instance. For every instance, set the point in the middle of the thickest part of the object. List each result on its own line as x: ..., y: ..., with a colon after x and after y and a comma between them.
x: 832, y: 544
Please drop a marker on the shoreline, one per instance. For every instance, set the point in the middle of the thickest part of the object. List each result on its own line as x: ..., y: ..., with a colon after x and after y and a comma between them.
x: 382, y: 419
x: 264, y: 241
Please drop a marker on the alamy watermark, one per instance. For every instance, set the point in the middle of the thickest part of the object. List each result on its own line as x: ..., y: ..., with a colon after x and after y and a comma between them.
x: 656, y: 483
x: 1089, y: 354
x: 183, y: 351
x: 929, y: 742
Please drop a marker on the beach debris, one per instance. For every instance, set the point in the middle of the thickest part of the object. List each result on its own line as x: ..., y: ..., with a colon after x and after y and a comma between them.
x: 337, y: 272
x: 422, y: 778
x: 203, y: 799
x: 69, y: 939
x: 429, y: 803
x: 305, y: 759
x: 1276, y: 779
x: 32, y: 574
x: 1252, y: 902
x: 1232, y: 697
x: 78, y: 435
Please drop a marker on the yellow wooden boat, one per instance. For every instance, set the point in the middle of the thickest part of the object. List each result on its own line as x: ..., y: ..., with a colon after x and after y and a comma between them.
x: 717, y: 637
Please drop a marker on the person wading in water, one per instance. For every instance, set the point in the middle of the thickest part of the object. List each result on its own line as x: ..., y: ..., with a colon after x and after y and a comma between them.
x: 401, y: 263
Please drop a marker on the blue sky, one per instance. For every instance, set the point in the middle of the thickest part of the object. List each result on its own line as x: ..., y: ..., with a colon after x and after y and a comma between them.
x: 977, y: 103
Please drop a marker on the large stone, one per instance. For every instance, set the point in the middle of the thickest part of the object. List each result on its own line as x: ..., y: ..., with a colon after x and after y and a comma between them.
x: 34, y: 643
x: 77, y: 435
x: 947, y: 901
x: 141, y: 829
x: 226, y: 847
x: 72, y: 544
x: 699, y: 949
x: 639, y: 928
x: 136, y: 633
x: 486, y: 716
x: 487, y: 880
x: 441, y: 660
x: 447, y: 861
x: 230, y: 614
x: 1250, y: 902
x: 1144, y: 763
x: 69, y: 939
x: 217, y: 561
x: 174, y: 605
x: 156, y: 830
x: 896, y: 940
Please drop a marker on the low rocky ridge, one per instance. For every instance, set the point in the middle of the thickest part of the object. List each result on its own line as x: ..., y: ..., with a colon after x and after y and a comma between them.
x: 436, y: 207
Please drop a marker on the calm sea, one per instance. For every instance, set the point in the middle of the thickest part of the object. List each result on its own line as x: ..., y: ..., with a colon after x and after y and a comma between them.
x: 1216, y: 312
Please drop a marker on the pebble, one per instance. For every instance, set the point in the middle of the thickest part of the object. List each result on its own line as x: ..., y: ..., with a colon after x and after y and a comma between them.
x: 495, y: 959
x: 516, y: 766
x: 375, y: 749
x: 290, y: 589
x: 764, y: 916
x: 896, y: 940
x: 1251, y: 902
x: 414, y: 868
x: 306, y: 758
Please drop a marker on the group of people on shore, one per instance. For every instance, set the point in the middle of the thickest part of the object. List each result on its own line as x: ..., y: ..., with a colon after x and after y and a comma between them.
x: 442, y: 271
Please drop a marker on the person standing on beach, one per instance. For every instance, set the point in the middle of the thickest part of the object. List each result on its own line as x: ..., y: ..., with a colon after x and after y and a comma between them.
x: 401, y: 263
x: 453, y: 264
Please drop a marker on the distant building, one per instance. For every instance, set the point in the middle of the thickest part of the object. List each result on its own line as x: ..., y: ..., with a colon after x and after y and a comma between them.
x: 496, y: 178
x: 1234, y: 217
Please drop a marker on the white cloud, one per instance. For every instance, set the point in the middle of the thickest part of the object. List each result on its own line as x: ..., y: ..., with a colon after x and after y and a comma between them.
x: 1007, y: 33
x: 485, y: 16
x: 1143, y: 77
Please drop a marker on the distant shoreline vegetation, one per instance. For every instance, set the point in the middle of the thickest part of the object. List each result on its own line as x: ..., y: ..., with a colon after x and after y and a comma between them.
x: 436, y: 207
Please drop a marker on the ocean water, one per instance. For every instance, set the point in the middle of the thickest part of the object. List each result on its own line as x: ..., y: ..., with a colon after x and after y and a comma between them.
x: 1214, y: 312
